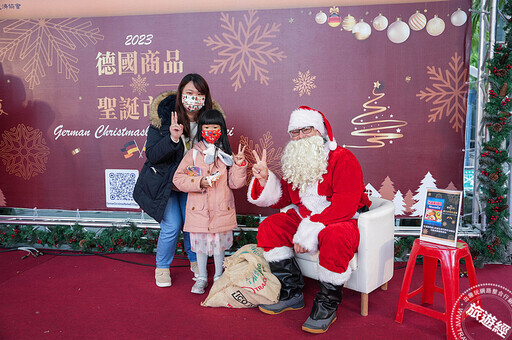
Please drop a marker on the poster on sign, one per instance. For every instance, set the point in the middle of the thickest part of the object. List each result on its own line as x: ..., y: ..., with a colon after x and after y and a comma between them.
x: 76, y: 91
x: 441, y: 217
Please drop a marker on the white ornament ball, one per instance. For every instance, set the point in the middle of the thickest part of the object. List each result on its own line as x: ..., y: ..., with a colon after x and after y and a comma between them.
x: 459, y: 17
x: 321, y: 18
x: 380, y: 23
x: 362, y: 30
x: 398, y: 32
x: 417, y: 21
x: 348, y: 23
x: 435, y: 26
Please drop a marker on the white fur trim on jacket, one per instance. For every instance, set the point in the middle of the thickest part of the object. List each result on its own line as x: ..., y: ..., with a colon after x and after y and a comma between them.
x: 336, y: 279
x: 312, y: 200
x: 278, y: 254
x: 307, y: 234
x: 271, y: 192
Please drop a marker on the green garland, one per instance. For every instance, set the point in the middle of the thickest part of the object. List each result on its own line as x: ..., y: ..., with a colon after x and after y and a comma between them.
x: 105, y: 240
x: 494, y: 243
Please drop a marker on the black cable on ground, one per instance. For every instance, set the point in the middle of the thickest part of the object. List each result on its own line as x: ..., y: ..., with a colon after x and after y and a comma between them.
x: 56, y: 252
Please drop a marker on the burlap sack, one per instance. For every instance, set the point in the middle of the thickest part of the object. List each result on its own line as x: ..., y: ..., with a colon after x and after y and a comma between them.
x: 246, y: 281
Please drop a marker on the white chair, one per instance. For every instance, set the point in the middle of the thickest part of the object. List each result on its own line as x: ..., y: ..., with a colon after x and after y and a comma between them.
x: 373, y: 263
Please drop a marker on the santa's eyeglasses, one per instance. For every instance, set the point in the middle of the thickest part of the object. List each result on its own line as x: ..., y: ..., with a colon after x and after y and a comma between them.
x: 305, y: 130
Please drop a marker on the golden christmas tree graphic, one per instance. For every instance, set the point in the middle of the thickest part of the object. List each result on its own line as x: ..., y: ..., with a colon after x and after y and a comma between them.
x: 244, y: 49
x: 376, y: 124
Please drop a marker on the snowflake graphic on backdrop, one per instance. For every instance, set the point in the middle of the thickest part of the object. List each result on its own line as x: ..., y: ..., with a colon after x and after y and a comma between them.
x: 139, y: 84
x: 448, y: 93
x: 245, y: 49
x: 23, y: 151
x: 41, y: 42
x: 304, y: 83
x: 273, y: 155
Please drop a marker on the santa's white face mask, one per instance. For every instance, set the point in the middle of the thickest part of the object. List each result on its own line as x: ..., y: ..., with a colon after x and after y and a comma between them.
x: 193, y: 103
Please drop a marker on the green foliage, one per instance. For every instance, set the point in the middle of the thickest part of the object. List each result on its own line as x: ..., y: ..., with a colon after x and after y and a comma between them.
x: 492, y: 246
x: 403, y: 246
x: 80, y: 239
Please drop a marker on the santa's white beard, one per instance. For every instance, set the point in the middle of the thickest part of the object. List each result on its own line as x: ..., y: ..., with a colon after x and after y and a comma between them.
x: 304, y: 161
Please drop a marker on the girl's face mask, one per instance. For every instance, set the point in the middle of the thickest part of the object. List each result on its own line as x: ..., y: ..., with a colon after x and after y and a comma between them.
x: 211, y: 136
x: 192, y: 103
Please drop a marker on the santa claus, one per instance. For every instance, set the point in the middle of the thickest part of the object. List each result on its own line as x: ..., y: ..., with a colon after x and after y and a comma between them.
x: 324, y: 182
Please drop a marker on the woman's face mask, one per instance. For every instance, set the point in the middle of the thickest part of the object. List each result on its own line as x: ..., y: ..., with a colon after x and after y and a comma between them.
x: 192, y: 103
x: 211, y: 136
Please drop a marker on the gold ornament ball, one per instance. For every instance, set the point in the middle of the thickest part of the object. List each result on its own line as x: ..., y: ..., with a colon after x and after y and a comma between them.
x: 362, y: 30
x: 417, y: 21
x: 380, y: 23
x: 458, y: 17
x: 348, y: 23
x: 398, y: 32
x: 435, y: 26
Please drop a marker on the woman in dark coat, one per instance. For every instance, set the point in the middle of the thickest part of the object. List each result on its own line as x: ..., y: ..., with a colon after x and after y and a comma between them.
x: 172, y: 130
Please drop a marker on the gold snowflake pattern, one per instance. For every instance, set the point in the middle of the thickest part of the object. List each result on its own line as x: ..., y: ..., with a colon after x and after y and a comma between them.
x: 273, y: 155
x: 244, y: 49
x: 44, y: 41
x: 139, y: 84
x: 2, y: 112
x: 304, y: 83
x: 23, y: 151
x: 3, y: 202
x: 448, y: 93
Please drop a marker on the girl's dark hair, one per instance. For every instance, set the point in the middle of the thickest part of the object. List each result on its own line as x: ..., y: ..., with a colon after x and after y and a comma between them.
x: 202, y: 86
x: 215, y: 117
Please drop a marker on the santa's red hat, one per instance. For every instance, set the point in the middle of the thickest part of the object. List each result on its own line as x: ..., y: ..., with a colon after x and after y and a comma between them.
x: 305, y: 116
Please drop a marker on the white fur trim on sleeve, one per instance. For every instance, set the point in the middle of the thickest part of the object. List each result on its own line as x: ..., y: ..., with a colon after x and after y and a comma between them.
x: 278, y: 254
x: 307, y: 234
x: 271, y: 192
x: 337, y: 279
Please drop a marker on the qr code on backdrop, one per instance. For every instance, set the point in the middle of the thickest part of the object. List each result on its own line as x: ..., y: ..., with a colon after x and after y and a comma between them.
x: 119, y: 184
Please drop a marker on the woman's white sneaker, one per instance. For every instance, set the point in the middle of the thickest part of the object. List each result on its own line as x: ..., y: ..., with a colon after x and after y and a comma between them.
x: 163, y: 277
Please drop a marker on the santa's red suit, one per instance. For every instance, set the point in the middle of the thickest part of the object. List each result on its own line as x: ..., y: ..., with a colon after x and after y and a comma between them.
x: 324, y: 217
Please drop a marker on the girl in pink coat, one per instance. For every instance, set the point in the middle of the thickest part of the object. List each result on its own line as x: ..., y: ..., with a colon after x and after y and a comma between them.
x: 208, y: 172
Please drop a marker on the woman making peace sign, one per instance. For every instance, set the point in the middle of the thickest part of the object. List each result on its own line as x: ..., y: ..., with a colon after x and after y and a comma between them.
x: 172, y: 131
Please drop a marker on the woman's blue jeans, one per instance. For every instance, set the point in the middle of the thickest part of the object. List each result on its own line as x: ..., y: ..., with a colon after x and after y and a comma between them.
x: 170, y: 228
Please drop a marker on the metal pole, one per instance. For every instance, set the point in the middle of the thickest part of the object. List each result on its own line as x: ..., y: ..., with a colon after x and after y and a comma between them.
x: 480, y: 100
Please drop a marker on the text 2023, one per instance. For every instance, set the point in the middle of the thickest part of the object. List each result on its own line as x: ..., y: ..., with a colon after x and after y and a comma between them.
x: 138, y: 39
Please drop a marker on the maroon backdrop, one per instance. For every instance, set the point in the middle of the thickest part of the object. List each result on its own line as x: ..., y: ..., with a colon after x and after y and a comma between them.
x: 74, y: 94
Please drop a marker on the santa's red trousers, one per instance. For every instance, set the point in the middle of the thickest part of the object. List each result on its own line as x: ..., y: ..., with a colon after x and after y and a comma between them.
x: 337, y: 242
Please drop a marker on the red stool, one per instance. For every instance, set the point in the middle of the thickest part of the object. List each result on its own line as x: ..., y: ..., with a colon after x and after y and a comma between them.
x: 449, y: 258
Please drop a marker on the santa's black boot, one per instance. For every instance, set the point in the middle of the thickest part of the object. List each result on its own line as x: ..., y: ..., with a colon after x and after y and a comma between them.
x: 324, y: 309
x: 290, y: 297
